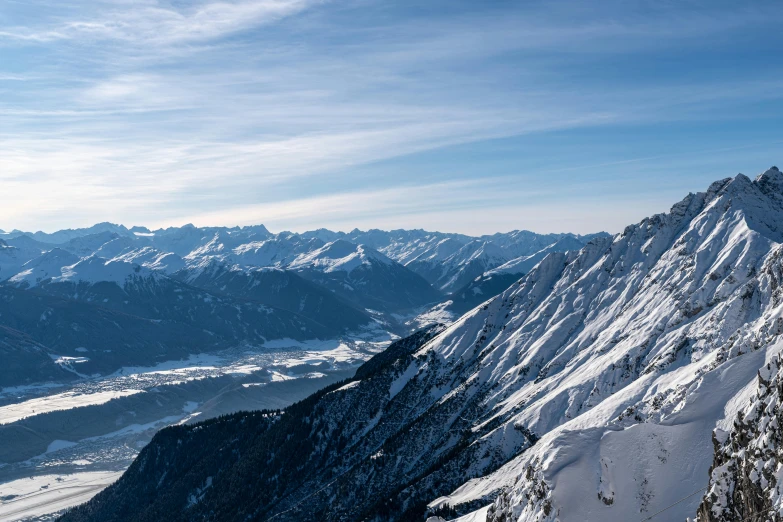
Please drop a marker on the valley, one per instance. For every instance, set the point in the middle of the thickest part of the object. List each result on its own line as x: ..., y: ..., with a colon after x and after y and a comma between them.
x: 63, y: 443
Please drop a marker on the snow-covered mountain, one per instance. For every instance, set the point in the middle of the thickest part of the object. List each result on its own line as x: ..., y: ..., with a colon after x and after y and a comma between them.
x: 339, y: 256
x: 46, y: 266
x: 278, y: 251
x: 642, y: 347
x: 84, y: 246
x: 93, y: 270
x: 365, y: 277
x: 189, y: 240
x: 63, y: 236
x: 745, y: 478
x: 406, y: 246
x: 464, y: 265
x: 324, y: 283
x: 447, y: 262
x: 451, y: 263
x: 588, y: 390
x: 148, y: 257
x: 525, y: 263
x: 17, y: 251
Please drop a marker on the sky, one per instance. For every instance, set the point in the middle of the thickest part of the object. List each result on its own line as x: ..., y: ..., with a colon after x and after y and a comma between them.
x: 459, y: 116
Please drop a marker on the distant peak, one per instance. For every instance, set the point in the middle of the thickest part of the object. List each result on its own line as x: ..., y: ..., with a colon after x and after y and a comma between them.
x: 259, y: 228
x: 771, y: 173
x: 770, y: 182
x: 717, y: 186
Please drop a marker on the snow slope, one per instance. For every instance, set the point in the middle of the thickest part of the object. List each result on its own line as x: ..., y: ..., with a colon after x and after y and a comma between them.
x: 95, y: 269
x: 524, y: 264
x: 17, y: 251
x: 745, y: 478
x: 339, y: 256
x: 467, y: 263
x: 365, y: 277
x: 46, y: 266
x: 621, y: 359
x: 278, y: 251
x: 148, y: 257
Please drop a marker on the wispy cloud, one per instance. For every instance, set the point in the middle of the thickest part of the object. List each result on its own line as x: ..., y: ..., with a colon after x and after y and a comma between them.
x: 162, y: 111
x: 155, y: 24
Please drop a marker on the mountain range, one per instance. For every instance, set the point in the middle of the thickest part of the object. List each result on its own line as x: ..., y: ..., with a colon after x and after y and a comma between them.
x: 88, y: 293
x: 636, y: 377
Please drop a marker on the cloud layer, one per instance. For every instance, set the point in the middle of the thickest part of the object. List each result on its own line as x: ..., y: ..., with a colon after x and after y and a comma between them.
x: 305, y: 113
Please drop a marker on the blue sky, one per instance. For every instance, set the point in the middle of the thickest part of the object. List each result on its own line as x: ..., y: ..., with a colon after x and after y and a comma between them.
x: 464, y: 116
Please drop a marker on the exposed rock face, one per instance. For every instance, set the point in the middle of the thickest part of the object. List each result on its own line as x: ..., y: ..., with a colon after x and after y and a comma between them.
x: 745, y: 478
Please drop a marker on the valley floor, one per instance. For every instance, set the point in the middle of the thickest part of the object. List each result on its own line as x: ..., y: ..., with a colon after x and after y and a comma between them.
x: 63, y: 444
x: 38, y: 497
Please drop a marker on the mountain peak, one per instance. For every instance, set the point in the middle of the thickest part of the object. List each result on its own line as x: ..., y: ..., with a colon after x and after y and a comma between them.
x: 770, y: 181
x: 339, y: 255
x: 260, y: 229
x: 48, y: 265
